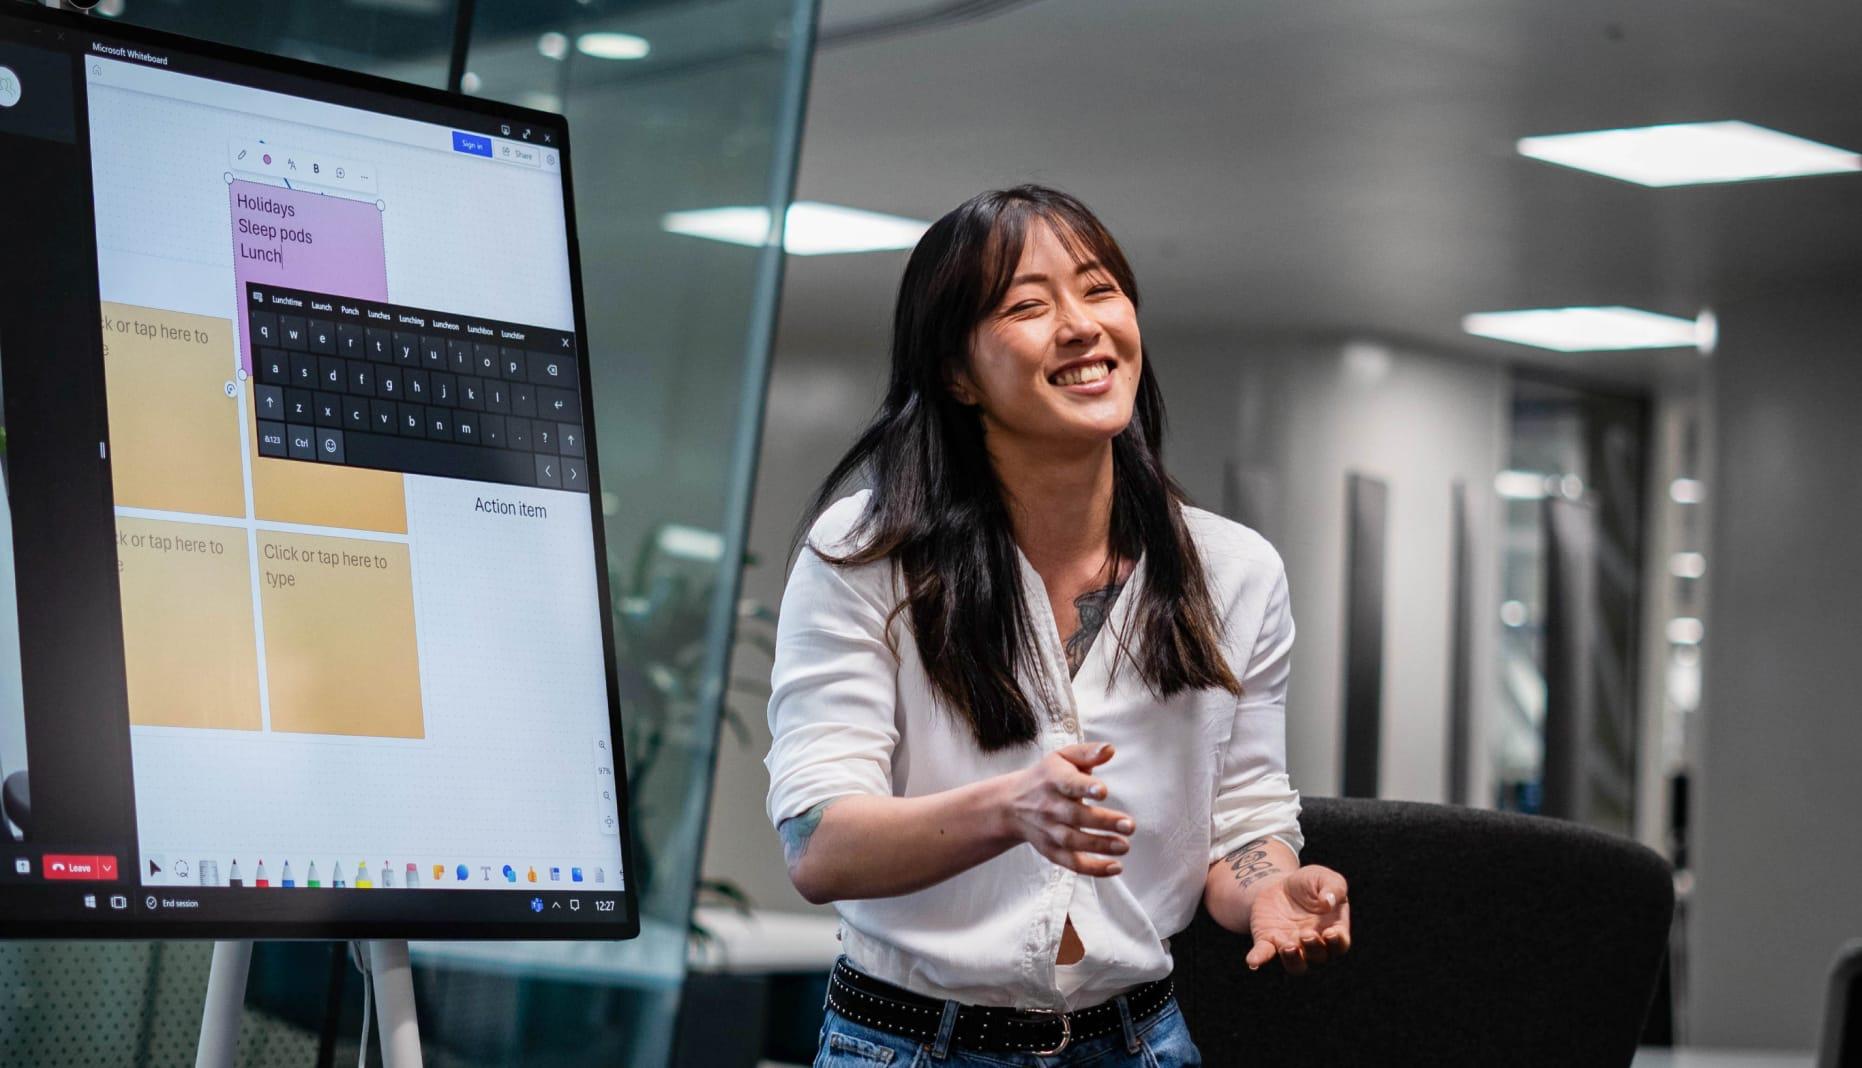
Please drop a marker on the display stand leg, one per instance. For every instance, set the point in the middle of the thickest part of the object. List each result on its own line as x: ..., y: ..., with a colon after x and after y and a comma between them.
x: 393, y: 978
x: 226, y: 1003
x: 394, y: 1003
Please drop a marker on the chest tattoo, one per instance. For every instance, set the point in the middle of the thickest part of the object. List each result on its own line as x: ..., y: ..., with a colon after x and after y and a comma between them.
x: 1093, y: 606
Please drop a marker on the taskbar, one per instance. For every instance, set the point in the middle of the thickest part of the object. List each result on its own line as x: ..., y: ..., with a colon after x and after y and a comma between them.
x: 214, y: 912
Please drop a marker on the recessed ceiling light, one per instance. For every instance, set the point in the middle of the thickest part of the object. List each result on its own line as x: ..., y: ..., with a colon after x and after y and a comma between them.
x: 1586, y: 329
x: 553, y: 45
x: 1521, y: 485
x: 1686, y: 630
x: 604, y: 45
x: 812, y: 229
x: 1691, y: 154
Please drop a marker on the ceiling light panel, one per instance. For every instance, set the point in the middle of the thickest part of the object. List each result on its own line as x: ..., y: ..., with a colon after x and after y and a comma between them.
x: 1691, y: 154
x: 811, y: 228
x: 1586, y: 329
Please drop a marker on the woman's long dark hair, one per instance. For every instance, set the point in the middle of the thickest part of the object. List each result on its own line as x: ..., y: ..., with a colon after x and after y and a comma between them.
x: 937, y: 508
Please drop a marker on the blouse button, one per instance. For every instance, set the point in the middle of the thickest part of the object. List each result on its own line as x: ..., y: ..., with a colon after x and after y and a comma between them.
x: 1072, y: 725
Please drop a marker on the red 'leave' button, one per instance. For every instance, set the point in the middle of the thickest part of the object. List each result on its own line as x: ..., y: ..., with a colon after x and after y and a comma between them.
x: 71, y: 866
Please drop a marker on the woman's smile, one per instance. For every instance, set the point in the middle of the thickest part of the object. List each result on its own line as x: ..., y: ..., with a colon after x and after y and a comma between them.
x: 1088, y: 377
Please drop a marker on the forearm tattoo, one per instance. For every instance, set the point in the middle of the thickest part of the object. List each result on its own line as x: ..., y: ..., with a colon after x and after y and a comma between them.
x: 1250, y: 864
x: 797, y: 830
x: 1093, y: 606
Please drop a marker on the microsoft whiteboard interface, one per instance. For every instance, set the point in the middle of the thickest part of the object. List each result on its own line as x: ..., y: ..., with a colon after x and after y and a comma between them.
x: 362, y: 632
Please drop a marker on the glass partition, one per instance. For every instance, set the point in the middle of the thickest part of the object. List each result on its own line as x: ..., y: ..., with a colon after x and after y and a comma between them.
x: 672, y: 107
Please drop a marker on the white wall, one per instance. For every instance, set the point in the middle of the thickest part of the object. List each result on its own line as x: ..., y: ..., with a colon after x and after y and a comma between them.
x: 1299, y: 415
x: 1779, y: 868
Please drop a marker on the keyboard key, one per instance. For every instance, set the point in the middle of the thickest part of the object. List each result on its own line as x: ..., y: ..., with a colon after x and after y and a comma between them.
x: 548, y: 471
x: 543, y: 436
x: 485, y: 360
x: 264, y: 329
x: 361, y: 378
x: 445, y: 389
x: 274, y: 367
x: 557, y: 403
x: 349, y: 343
x: 292, y: 332
x: 272, y: 440
x: 330, y: 446
x: 515, y: 365
x: 380, y: 345
x: 574, y: 474
x: 497, y: 397
x: 323, y: 337
x: 332, y: 373
x: 268, y: 402
x: 439, y: 423
x: 433, y: 352
x: 569, y: 437
x: 303, y: 370
x: 550, y: 369
x: 517, y: 432
x: 356, y: 414
x: 329, y: 411
x: 413, y: 420
x: 299, y: 404
x: 492, y: 431
x: 383, y: 418
x: 459, y: 356
x: 465, y: 427
x: 407, y: 349
x: 523, y: 399
x: 388, y: 383
x: 301, y: 441
x: 472, y: 394
x: 414, y: 381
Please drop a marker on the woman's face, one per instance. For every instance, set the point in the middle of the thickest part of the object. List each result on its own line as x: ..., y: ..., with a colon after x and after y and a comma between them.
x: 1056, y: 362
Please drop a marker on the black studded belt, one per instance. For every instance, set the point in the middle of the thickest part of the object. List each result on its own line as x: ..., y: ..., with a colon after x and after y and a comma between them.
x: 878, y: 1004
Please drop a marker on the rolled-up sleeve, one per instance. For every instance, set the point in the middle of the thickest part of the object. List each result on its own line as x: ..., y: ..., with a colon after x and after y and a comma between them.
x: 833, y: 689
x: 1254, y: 797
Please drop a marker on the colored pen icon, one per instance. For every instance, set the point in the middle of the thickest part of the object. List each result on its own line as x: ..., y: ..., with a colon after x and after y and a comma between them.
x: 439, y: 872
x: 311, y: 879
x: 413, y: 876
x: 288, y: 880
x: 260, y: 879
x: 362, y: 875
x: 510, y: 874
x: 533, y: 875
x: 337, y: 879
x: 387, y: 875
x: 232, y: 875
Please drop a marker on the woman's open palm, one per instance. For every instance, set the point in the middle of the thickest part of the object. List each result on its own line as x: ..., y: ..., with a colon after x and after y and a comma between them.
x: 1304, y: 919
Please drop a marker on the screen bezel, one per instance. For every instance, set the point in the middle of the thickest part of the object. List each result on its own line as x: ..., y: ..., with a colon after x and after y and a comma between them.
x: 369, y: 92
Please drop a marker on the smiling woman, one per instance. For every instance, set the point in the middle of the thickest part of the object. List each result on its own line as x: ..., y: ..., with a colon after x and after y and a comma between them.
x: 962, y: 651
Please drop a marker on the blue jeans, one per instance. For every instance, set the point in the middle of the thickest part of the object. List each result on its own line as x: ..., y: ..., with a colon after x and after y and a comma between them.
x: 1158, y: 1041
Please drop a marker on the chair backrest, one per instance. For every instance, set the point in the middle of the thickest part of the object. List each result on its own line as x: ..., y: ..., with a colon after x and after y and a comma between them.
x: 1478, y: 938
x: 1841, y: 1046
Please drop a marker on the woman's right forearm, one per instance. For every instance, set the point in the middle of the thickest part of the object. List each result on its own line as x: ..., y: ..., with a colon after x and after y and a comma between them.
x: 862, y: 846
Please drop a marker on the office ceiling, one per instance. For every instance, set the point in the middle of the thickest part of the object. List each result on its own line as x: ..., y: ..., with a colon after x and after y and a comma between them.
x: 1341, y: 168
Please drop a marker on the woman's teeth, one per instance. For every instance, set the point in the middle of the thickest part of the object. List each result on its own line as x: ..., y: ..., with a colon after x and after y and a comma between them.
x: 1081, y: 375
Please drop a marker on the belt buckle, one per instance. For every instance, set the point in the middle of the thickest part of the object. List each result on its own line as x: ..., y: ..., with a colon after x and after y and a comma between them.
x: 1066, y: 1031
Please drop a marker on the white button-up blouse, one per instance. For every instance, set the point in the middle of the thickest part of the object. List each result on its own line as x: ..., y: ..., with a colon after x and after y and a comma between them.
x: 1199, y: 773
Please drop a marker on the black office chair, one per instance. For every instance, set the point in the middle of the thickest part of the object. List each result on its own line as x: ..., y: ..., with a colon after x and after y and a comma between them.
x: 1478, y: 938
x: 16, y: 803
